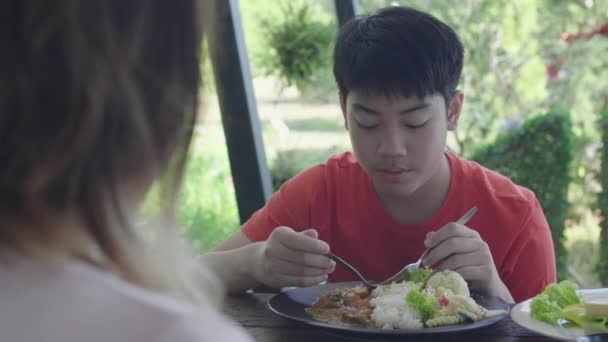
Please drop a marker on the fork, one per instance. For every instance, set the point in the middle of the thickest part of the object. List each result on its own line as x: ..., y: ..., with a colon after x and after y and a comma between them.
x: 405, y: 272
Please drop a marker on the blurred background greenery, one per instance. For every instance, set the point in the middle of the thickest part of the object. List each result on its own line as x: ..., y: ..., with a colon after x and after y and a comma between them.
x: 526, y: 62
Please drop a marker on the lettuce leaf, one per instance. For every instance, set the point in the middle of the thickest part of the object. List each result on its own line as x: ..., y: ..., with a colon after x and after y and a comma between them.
x: 421, y: 275
x: 423, y: 303
x: 575, y: 313
x: 563, y: 294
x: 544, y: 309
x: 561, y: 302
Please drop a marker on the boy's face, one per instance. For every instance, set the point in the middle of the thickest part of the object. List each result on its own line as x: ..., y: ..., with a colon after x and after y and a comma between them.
x: 399, y: 141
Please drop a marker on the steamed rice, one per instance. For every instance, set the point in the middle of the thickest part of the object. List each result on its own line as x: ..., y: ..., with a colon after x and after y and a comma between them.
x: 390, y: 308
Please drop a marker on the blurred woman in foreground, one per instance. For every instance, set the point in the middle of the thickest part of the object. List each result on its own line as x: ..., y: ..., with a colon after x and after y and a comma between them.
x: 97, y: 101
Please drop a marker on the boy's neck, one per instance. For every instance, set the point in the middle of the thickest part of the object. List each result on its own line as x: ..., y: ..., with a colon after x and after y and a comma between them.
x: 425, y: 202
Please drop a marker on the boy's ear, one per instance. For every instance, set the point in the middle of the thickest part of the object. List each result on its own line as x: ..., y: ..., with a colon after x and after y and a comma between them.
x: 454, y: 110
x: 343, y: 108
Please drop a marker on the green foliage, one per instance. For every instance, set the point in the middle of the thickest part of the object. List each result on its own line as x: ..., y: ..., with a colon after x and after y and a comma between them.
x: 289, y: 163
x: 298, y: 46
x: 583, y: 259
x: 602, y: 267
x: 538, y: 157
x: 251, y: 12
x: 207, y: 79
x: 206, y: 211
x: 207, y: 205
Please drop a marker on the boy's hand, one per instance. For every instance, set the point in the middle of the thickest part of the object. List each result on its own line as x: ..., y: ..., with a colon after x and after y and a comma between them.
x: 289, y: 258
x: 461, y: 249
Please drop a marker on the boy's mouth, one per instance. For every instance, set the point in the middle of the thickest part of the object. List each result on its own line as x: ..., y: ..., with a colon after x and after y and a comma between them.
x: 393, y: 171
x: 392, y: 168
x: 393, y: 174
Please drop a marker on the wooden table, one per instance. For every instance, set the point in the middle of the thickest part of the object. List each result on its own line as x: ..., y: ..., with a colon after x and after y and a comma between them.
x: 250, y: 311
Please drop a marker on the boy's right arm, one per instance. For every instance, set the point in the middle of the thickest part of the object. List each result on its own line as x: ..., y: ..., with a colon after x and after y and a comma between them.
x: 287, y: 258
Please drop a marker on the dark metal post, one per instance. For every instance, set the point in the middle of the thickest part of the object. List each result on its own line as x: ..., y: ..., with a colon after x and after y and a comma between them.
x: 346, y: 10
x: 237, y: 103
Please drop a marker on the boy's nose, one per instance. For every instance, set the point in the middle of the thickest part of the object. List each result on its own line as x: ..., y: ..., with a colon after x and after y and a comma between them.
x: 392, y: 144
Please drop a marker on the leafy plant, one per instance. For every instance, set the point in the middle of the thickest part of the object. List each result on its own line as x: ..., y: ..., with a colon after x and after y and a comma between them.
x: 538, y: 156
x: 298, y: 46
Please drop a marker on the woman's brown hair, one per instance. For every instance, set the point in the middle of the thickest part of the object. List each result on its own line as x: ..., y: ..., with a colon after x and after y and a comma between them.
x: 97, y: 99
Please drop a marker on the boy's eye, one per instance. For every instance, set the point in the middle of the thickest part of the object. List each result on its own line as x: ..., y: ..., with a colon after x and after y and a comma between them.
x: 368, y: 127
x: 416, y: 126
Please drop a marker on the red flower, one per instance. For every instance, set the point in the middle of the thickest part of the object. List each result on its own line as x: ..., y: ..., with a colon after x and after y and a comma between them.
x: 603, y: 30
x: 552, y: 72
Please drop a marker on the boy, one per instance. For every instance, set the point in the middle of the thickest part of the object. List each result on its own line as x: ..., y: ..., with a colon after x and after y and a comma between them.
x: 400, y: 191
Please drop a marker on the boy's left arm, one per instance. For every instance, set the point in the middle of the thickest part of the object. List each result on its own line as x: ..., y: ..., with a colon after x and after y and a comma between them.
x: 530, y: 263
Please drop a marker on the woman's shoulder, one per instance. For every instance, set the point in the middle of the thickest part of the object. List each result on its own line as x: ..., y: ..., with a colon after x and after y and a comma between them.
x: 106, y: 308
x: 171, y: 318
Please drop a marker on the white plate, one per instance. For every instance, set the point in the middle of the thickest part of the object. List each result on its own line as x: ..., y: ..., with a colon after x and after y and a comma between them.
x: 520, y: 314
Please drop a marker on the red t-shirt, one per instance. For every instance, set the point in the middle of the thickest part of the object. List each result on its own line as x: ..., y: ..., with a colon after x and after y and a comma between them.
x: 337, y: 199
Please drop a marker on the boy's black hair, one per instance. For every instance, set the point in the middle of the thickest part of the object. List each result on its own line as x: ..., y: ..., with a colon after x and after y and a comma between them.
x: 398, y: 51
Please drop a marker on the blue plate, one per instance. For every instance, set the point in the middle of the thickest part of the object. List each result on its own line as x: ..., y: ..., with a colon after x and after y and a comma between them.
x: 291, y: 304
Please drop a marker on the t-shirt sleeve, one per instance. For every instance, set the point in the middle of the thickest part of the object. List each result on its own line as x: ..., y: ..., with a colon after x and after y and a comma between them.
x: 531, y: 261
x: 290, y: 206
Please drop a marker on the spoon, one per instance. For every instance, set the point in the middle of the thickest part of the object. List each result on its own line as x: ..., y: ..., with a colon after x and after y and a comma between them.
x: 405, y: 272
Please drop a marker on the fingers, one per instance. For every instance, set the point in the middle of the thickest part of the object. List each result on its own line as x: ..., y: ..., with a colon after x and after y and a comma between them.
x: 452, y: 239
x: 288, y: 268
x: 456, y: 246
x: 458, y: 261
x: 477, y: 274
x: 449, y: 231
x: 300, y: 241
x: 304, y: 259
x: 460, y: 249
x: 296, y: 258
x: 312, y: 233
x: 287, y: 280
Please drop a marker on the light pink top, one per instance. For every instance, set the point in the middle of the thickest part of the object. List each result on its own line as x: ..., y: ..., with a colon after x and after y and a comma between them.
x: 78, y: 303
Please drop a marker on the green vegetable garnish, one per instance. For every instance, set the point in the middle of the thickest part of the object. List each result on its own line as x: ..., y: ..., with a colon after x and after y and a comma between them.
x: 423, y: 303
x: 563, y: 294
x: 546, y: 310
x: 575, y: 313
x: 560, y: 301
x: 421, y: 275
x: 548, y: 306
